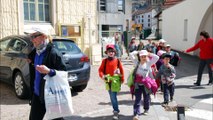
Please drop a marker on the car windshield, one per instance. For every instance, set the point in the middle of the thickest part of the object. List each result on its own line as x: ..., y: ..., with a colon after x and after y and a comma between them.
x: 66, y: 46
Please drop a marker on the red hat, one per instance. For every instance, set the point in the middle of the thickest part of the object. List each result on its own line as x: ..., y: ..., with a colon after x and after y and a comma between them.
x: 110, y: 46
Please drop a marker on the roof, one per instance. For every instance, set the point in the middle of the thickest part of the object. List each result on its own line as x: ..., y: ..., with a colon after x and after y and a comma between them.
x: 139, y: 12
x: 167, y: 4
x: 170, y: 3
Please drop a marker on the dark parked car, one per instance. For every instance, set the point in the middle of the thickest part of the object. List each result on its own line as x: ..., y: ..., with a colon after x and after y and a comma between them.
x: 14, y: 68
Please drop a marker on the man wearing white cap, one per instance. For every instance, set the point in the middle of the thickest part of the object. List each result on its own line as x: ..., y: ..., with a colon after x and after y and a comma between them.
x: 45, y: 59
x: 161, y: 45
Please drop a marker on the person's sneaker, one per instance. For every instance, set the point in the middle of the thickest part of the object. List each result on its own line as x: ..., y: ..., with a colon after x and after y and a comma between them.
x: 171, y: 98
x: 164, y: 104
x: 115, y: 115
x: 145, y: 112
x: 197, y: 84
x: 136, y: 117
x: 210, y: 83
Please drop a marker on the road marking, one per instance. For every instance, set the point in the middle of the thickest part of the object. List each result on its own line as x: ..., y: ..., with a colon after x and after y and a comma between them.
x: 208, y: 101
x: 198, y: 113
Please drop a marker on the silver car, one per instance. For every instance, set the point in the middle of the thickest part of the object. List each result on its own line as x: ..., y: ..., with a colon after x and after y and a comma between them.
x: 14, y: 68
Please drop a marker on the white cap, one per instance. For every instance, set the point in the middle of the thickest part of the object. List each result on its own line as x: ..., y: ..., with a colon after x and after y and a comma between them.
x: 132, y: 38
x: 168, y: 45
x: 34, y: 30
x: 160, y: 52
x: 143, y: 52
x: 162, y: 40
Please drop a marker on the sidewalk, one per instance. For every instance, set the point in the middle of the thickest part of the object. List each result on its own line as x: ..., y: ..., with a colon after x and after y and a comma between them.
x: 156, y: 112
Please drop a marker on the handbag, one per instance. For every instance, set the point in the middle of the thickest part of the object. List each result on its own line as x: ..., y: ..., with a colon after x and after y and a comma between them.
x: 57, y: 96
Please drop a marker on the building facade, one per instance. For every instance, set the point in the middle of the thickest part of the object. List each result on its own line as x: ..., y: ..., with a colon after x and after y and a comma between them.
x: 113, y: 16
x: 183, y: 28
x: 75, y: 19
x: 144, y: 17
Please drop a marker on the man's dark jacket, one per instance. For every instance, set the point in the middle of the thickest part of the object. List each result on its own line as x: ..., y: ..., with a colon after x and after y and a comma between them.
x: 53, y: 60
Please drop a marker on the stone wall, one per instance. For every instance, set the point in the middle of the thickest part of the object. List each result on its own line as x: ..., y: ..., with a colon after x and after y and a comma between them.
x: 8, y: 17
x: 77, y: 12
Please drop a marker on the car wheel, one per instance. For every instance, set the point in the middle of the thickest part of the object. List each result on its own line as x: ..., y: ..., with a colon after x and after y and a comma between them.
x: 20, y: 86
x: 79, y: 88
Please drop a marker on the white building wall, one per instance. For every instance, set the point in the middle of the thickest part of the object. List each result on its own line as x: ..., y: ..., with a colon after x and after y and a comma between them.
x: 128, y: 14
x: 154, y: 20
x: 145, y: 18
x: 173, y: 23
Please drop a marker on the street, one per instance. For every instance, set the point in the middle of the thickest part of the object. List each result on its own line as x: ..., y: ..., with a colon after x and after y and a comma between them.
x: 93, y: 103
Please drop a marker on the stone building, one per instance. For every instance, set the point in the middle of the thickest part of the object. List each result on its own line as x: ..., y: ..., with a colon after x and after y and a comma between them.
x: 75, y: 19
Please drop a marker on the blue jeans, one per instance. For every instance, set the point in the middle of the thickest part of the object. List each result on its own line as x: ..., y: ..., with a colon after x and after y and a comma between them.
x: 114, y: 101
x: 168, y: 90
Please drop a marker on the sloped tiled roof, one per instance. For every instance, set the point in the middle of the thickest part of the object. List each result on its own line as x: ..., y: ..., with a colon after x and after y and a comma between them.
x: 138, y: 12
x: 170, y: 3
x: 167, y: 4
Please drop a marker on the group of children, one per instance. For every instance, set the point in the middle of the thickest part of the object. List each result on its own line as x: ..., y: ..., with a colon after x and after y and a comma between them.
x: 144, y: 77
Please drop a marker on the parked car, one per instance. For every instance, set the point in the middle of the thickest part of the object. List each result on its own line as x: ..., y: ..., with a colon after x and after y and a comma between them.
x: 14, y: 68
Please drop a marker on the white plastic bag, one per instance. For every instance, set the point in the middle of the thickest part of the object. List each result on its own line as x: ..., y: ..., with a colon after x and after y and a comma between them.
x: 57, y: 96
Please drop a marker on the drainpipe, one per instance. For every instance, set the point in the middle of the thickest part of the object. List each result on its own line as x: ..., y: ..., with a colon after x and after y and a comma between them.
x: 18, y: 18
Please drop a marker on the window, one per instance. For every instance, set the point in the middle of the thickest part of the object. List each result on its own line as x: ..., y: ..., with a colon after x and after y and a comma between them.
x: 102, y: 5
x: 148, y: 20
x: 142, y: 20
x: 148, y: 24
x: 142, y: 16
x: 3, y: 44
x: 120, y: 5
x: 66, y: 46
x: 16, y: 45
x: 37, y: 10
x: 149, y: 16
x: 185, y: 31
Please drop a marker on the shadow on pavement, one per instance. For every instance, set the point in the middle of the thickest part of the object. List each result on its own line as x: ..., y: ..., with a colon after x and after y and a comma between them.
x: 203, y: 96
x: 74, y: 93
x: 124, y: 92
x: 156, y: 103
x: 121, y: 102
x: 109, y: 117
x: 189, y: 87
x: 8, y: 97
x: 188, y: 66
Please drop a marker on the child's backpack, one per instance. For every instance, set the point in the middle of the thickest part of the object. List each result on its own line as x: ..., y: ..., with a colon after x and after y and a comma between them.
x: 130, y: 80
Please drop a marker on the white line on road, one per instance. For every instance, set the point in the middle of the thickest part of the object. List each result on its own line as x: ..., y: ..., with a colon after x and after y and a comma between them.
x: 198, y: 113
x: 208, y: 101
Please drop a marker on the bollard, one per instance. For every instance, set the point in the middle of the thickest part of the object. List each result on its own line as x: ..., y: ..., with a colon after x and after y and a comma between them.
x: 180, y: 112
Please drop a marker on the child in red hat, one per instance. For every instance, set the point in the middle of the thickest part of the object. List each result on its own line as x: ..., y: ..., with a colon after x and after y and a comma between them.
x: 110, y: 68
